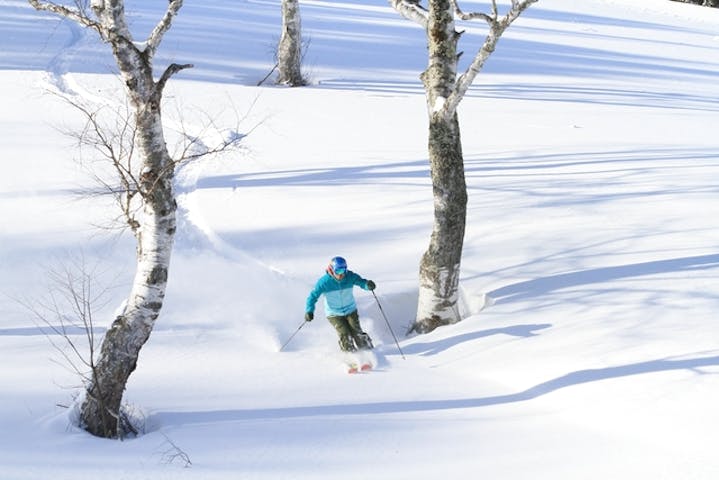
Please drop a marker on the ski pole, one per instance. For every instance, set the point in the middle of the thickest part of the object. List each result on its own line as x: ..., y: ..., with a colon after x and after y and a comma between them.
x: 388, y: 325
x: 293, y: 335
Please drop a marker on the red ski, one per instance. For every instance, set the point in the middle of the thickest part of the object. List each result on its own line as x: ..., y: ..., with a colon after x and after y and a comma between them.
x: 357, y: 368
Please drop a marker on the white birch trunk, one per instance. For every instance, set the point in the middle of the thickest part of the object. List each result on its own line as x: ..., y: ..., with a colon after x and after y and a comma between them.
x: 154, y: 228
x: 289, y: 51
x: 440, y: 265
x: 100, y: 411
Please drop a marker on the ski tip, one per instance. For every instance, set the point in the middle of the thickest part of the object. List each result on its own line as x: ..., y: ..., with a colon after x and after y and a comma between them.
x: 366, y: 367
x: 353, y: 369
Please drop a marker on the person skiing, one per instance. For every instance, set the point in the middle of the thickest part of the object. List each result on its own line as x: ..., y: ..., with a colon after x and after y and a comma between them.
x: 336, y: 285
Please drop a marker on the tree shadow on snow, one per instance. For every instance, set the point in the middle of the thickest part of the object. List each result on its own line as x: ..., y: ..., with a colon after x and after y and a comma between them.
x: 164, y: 419
x: 433, y: 348
x: 544, y: 285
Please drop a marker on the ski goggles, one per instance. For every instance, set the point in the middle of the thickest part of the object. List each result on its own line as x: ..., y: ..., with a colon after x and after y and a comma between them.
x: 340, y: 271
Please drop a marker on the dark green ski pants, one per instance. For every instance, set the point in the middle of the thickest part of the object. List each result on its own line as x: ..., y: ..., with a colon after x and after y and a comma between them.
x: 350, y: 332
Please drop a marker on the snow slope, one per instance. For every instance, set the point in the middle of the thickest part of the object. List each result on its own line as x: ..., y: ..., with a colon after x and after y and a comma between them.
x: 589, y: 277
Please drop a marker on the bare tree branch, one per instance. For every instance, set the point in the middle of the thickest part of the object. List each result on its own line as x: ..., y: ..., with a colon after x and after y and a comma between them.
x: 153, y: 41
x: 68, y: 311
x: 411, y: 10
x: 169, y: 72
x: 173, y: 452
x: 497, y: 27
x: 489, y: 18
x: 79, y: 15
x: 111, y: 134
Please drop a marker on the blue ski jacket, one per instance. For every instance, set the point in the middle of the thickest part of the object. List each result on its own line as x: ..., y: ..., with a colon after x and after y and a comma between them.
x: 339, y: 300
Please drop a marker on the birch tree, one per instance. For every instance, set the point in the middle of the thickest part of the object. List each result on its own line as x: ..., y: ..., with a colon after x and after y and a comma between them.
x: 289, y: 51
x: 149, y: 185
x: 444, y: 89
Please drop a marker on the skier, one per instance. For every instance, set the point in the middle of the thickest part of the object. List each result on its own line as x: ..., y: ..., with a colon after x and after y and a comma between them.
x: 336, y: 285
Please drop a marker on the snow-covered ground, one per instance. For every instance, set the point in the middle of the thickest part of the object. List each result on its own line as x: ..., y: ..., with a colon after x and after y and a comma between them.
x: 589, y: 279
